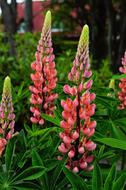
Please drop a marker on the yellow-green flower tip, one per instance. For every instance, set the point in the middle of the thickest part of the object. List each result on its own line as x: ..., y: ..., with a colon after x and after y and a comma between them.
x: 7, y: 86
x: 84, y: 38
x: 47, y: 22
x: 112, y: 84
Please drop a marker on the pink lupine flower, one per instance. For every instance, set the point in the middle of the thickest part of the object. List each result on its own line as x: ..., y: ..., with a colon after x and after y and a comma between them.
x: 6, y: 115
x: 44, y: 77
x: 77, y: 111
x: 75, y: 170
x: 122, y: 84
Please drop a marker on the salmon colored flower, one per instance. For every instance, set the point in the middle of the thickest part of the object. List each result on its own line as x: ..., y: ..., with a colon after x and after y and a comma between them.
x: 78, y: 126
x: 122, y: 85
x: 44, y: 77
x: 7, y: 115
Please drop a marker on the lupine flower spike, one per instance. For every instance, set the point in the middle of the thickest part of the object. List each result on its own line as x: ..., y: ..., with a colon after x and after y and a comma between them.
x: 6, y: 115
x: 44, y: 78
x: 78, y: 127
x: 122, y: 85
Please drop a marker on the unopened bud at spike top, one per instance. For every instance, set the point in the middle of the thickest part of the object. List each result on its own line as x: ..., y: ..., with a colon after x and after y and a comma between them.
x: 7, y: 86
x: 84, y: 38
x: 112, y: 84
x: 81, y: 65
x: 47, y: 23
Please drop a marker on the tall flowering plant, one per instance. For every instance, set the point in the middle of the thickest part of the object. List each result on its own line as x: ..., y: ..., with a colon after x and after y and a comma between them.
x: 6, y: 115
x: 122, y: 85
x: 44, y: 78
x: 78, y: 127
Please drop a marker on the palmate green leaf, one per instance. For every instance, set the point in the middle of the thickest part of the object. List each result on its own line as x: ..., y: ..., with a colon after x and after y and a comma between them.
x: 37, y: 161
x: 62, y: 183
x: 115, y: 143
x: 27, y: 128
x: 9, y: 153
x: 102, y: 155
x: 104, y: 90
x: 76, y: 181
x: 58, y: 112
x: 22, y: 138
x: 117, y: 132
x: 109, y: 154
x: 110, y: 178
x: 55, y: 141
x: 97, y: 182
x: 26, y: 186
x: 107, y: 98
x: 1, y: 177
x: 120, y: 182
x: 22, y: 162
x: 55, y: 121
x: 121, y: 121
x: 102, y: 113
x: 31, y: 173
x: 51, y: 163
x: 4, y: 180
x: 23, y: 158
x: 43, y: 131
x: 98, y: 135
x: 56, y: 173
x: 20, y: 90
x: 119, y: 76
x: 101, y: 151
x: 103, y: 102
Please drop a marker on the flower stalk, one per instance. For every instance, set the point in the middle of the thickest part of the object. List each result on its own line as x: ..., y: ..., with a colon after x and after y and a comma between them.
x: 77, y: 124
x: 7, y: 115
x: 122, y: 85
x: 44, y: 77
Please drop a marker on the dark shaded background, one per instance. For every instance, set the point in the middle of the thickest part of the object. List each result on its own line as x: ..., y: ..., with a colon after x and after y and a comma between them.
x: 106, y: 18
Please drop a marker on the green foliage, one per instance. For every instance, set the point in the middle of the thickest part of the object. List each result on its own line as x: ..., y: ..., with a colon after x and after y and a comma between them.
x: 76, y: 181
x: 102, y: 74
x: 12, y: 176
x: 29, y: 161
x: 110, y: 178
x: 97, y: 182
x: 113, y: 143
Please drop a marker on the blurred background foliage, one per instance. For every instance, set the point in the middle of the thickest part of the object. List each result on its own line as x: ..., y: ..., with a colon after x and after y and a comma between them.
x: 106, y: 20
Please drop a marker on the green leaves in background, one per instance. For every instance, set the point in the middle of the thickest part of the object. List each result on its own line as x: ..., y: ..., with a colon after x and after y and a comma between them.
x: 97, y: 181
x: 119, y: 76
x: 115, y: 143
x: 110, y: 178
x: 9, y: 154
x: 120, y: 182
x: 112, y: 181
x: 44, y: 132
x: 31, y: 173
x: 55, y: 121
x: 76, y: 181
